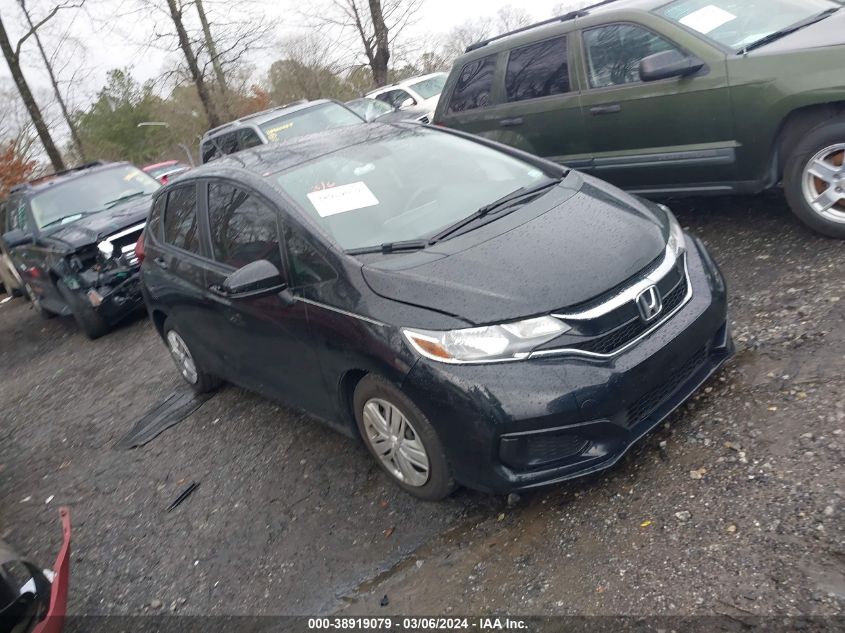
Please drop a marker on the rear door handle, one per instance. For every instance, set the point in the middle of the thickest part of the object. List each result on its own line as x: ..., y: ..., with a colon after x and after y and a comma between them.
x: 161, y: 263
x: 607, y: 109
x: 511, y: 122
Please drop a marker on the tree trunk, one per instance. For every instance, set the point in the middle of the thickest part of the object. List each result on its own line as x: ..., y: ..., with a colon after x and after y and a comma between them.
x: 382, y: 52
x: 193, y: 67
x: 74, y: 134
x: 215, y: 58
x: 29, y: 101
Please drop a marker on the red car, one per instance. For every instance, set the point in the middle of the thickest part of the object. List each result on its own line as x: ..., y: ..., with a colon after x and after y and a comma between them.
x: 163, y: 172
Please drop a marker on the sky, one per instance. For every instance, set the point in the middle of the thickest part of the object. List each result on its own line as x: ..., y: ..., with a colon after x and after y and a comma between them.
x: 113, y: 39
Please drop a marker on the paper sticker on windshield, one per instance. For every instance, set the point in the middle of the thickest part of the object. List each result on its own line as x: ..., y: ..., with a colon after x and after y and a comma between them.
x: 341, y: 199
x: 707, y: 19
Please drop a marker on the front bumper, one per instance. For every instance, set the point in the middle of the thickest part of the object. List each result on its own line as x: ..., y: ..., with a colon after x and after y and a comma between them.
x: 118, y: 300
x: 514, y: 426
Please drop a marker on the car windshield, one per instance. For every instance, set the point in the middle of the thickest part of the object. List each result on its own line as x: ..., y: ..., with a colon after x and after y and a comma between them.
x: 326, y: 116
x: 404, y: 186
x: 90, y: 193
x: 430, y: 87
x: 739, y: 23
x: 370, y: 108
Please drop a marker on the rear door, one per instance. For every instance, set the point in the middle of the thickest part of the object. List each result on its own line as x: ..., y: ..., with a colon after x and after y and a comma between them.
x: 265, y: 339
x: 657, y: 136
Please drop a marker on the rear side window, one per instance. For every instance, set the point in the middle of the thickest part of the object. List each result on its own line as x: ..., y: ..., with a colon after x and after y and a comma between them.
x: 614, y: 53
x: 17, y: 217
x: 243, y: 227
x: 209, y: 151
x: 228, y: 143
x: 154, y: 223
x: 538, y: 70
x: 180, y: 219
x: 475, y: 85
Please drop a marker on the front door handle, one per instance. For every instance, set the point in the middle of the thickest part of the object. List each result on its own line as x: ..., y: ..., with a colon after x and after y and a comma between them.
x: 511, y: 122
x: 161, y: 263
x: 607, y: 109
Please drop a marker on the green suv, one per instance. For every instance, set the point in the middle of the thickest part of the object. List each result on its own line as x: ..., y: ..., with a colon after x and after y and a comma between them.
x: 687, y: 97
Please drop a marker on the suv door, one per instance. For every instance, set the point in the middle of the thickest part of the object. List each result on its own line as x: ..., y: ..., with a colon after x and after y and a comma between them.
x: 524, y: 98
x: 658, y: 136
x: 266, y: 339
x: 25, y: 255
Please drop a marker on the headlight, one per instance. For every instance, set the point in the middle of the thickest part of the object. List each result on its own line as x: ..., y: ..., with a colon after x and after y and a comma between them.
x: 676, y: 243
x: 508, y: 341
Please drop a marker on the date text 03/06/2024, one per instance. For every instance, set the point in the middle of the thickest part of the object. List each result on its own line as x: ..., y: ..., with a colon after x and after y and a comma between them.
x: 417, y: 624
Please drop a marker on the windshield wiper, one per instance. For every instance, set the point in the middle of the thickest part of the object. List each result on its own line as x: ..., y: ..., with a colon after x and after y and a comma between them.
x: 390, y: 247
x: 128, y: 196
x: 509, y: 200
x: 77, y: 215
x: 771, y: 37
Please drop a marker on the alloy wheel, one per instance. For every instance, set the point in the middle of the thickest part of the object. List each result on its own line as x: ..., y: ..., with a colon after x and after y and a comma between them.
x: 824, y: 183
x: 396, y: 443
x: 182, y: 356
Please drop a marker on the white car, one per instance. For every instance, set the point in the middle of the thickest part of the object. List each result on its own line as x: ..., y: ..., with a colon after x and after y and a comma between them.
x: 417, y: 93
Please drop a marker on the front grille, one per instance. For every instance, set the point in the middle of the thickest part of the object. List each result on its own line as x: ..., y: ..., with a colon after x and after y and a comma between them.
x: 648, y: 403
x: 619, y: 338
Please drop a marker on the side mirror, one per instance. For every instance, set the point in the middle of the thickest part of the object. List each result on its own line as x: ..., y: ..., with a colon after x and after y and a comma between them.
x: 407, y: 103
x: 16, y: 237
x: 669, y: 64
x: 257, y: 279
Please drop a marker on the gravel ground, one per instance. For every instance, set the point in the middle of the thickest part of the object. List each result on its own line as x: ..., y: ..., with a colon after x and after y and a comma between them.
x: 734, y: 507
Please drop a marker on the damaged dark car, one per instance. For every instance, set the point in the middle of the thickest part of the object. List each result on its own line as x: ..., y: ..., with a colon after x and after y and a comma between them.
x: 71, y: 236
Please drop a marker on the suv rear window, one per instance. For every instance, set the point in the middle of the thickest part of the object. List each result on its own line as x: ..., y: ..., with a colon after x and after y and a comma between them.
x: 538, y: 70
x: 475, y: 85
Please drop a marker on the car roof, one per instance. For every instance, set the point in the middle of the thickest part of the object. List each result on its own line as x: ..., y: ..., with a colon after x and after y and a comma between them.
x: 166, y: 163
x: 272, y: 158
x: 49, y: 181
x: 402, y: 84
x: 265, y: 115
x: 551, y: 27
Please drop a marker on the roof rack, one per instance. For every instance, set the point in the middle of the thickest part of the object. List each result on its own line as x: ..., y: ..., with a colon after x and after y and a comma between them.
x: 55, y: 174
x: 579, y: 13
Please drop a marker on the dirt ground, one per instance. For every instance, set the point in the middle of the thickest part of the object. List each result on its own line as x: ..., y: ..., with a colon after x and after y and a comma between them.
x: 735, y: 507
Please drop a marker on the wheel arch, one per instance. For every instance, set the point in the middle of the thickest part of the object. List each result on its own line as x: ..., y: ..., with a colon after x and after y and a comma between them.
x: 794, y: 126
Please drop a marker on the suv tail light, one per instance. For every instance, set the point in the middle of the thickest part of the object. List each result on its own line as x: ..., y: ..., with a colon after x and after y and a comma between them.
x: 139, y: 248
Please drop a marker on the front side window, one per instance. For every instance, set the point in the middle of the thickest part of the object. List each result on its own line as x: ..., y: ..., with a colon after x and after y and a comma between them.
x: 394, y: 98
x: 180, y: 219
x: 475, y: 85
x: 326, y: 116
x: 431, y: 87
x: 90, y: 193
x: 407, y: 185
x: 17, y: 217
x: 614, y: 53
x: 538, y: 70
x: 308, y: 267
x: 248, y: 138
x: 740, y: 23
x: 228, y: 143
x: 243, y: 228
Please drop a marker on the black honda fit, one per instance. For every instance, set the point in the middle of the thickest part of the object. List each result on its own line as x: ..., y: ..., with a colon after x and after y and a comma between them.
x: 477, y: 315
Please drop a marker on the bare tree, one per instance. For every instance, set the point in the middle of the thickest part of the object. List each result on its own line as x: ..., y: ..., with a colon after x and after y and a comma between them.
x: 562, y: 8
x: 13, y: 59
x: 175, y: 8
x: 213, y: 55
x: 374, y: 24
x: 511, y: 18
x: 74, y: 134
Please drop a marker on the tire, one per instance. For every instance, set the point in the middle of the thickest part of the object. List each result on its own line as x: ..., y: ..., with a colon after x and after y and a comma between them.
x: 815, y: 176
x: 191, y: 371
x: 88, y: 319
x: 380, y: 430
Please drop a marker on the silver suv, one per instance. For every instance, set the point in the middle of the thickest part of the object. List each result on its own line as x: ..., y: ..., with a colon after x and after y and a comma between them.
x: 276, y: 124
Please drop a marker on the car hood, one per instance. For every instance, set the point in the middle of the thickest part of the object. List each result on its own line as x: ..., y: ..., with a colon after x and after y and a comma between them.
x: 828, y: 32
x: 90, y: 229
x: 572, y: 245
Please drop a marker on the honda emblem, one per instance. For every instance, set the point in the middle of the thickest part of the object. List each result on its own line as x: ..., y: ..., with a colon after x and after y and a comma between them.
x: 650, y: 304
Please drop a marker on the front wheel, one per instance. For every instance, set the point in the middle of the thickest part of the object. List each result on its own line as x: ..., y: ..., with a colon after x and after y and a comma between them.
x: 814, y: 179
x: 401, y: 439
x: 88, y: 319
